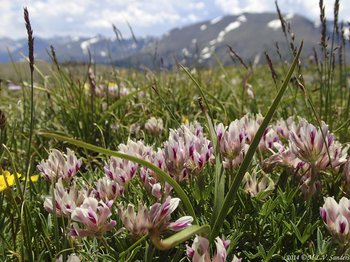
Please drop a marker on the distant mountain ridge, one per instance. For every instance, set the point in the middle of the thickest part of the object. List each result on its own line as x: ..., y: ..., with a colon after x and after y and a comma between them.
x: 249, y: 34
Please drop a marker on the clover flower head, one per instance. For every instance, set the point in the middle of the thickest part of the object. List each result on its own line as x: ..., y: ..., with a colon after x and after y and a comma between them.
x: 120, y: 170
x: 316, y: 146
x: 336, y: 217
x: 199, y: 251
x: 187, y: 151
x: 282, y: 156
x: 232, y: 143
x: 283, y: 127
x: 66, y: 199
x: 107, y: 189
x: 137, y: 224
x: 93, y: 214
x: 154, y: 125
x: 153, y: 220
x: 60, y: 165
x: 255, y: 184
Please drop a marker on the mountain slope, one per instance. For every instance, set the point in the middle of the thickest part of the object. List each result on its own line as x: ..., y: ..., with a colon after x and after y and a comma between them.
x: 250, y: 35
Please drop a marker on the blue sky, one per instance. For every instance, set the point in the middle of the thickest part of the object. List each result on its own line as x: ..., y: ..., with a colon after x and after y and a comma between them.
x: 147, y: 17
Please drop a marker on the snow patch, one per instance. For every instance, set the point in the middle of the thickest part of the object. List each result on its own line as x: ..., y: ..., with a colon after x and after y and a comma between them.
x: 203, y: 27
x: 289, y: 16
x: 85, y: 45
x: 216, y: 20
x: 256, y: 60
x: 212, y: 42
x: 185, y: 52
x: 274, y: 24
x: 206, y: 55
x: 206, y: 52
x: 220, y: 37
x: 242, y: 18
x: 103, y: 53
x: 232, y: 26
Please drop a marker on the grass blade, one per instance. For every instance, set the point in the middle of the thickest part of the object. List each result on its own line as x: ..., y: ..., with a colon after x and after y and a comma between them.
x: 251, y: 151
x: 178, y: 238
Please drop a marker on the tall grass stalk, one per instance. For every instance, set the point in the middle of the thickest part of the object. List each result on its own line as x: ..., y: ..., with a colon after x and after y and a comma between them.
x: 230, y: 196
x: 31, y: 65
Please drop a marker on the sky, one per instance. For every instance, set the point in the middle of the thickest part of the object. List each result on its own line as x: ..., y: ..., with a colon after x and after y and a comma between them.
x: 146, y: 17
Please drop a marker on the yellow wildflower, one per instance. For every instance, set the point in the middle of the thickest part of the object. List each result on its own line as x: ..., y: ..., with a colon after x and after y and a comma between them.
x: 6, y: 180
x: 34, y: 178
x: 87, y: 86
x: 185, y: 120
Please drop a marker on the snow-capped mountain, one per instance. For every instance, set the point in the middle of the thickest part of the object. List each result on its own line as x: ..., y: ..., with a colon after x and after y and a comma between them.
x: 204, y: 43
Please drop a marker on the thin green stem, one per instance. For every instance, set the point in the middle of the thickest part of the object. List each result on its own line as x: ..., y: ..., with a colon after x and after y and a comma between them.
x: 229, y: 199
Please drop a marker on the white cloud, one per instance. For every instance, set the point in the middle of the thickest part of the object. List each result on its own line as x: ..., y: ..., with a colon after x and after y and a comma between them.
x: 89, y: 17
x: 151, y: 17
x: 309, y: 8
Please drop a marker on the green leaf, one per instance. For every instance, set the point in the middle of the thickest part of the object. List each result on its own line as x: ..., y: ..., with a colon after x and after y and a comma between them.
x: 269, y: 206
x: 164, y: 176
x: 178, y: 238
x: 229, y: 199
x: 296, y: 231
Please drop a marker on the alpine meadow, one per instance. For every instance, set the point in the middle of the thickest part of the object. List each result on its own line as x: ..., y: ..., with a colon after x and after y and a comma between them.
x: 225, y: 156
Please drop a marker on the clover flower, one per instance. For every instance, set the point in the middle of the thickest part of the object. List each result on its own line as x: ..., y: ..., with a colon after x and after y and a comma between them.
x: 199, y: 251
x: 283, y: 127
x: 317, y: 146
x: 151, y: 180
x: 250, y: 124
x: 254, y: 184
x: 235, y: 139
x: 120, y: 170
x: 154, y: 125
x: 107, y: 189
x: 187, y: 151
x: 307, y: 143
x: 232, y: 143
x: 66, y: 199
x: 94, y: 216
x: 154, y: 220
x: 60, y: 165
x: 336, y: 217
x: 137, y: 224
x: 269, y: 139
x: 284, y: 157
x: 70, y: 258
x: 112, y: 89
x: 153, y: 184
